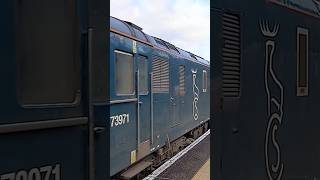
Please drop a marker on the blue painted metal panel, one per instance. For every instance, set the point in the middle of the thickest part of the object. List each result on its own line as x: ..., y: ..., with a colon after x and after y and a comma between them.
x: 173, y: 115
x: 126, y: 136
x: 144, y: 99
x: 254, y: 142
x: 64, y: 148
x: 39, y: 149
x: 123, y: 138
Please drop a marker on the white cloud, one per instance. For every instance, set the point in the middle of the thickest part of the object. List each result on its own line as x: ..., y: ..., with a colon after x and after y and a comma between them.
x: 184, y: 23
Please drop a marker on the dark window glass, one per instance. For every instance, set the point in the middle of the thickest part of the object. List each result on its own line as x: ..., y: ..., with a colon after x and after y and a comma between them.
x: 47, y: 51
x: 205, y: 81
x: 143, y: 75
x: 124, y: 73
x: 302, y: 60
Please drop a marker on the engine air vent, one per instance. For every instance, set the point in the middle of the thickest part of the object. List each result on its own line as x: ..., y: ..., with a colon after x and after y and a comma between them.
x: 231, y: 55
x: 160, y: 81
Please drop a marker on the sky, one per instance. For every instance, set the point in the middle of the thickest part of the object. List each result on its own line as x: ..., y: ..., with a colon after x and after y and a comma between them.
x: 183, y: 23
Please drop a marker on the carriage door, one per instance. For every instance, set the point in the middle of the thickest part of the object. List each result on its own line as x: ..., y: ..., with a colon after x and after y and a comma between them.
x: 143, y: 105
x: 174, y: 93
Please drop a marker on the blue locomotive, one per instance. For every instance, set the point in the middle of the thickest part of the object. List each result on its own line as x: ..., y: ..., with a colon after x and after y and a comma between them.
x: 54, y: 93
x: 266, y: 89
x: 158, y: 93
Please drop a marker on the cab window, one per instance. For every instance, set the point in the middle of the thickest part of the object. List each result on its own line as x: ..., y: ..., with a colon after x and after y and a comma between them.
x: 124, y: 73
x: 143, y: 75
x: 48, y: 55
x: 204, y: 81
x: 302, y: 62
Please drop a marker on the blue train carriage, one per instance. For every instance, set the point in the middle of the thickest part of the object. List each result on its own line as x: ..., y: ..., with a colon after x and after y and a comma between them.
x: 158, y: 93
x: 266, y: 86
x: 44, y: 116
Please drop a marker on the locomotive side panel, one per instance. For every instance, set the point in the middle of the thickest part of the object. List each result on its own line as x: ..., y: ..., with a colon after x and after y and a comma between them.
x: 130, y: 135
x: 122, y: 122
x: 194, y: 106
x: 39, y: 154
x: 160, y: 89
x: 278, y: 97
x: 43, y: 121
x: 161, y: 102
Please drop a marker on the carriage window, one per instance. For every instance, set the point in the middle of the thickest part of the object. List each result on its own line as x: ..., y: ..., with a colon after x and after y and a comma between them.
x: 182, y: 90
x: 143, y: 75
x: 302, y: 62
x: 47, y: 52
x: 204, y: 81
x: 124, y: 73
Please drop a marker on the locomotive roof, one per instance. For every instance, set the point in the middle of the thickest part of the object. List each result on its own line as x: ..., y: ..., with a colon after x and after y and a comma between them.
x: 308, y: 7
x: 131, y: 29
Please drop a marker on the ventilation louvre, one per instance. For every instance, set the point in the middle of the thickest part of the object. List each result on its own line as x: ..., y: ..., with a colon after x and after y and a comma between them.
x: 182, y: 90
x: 231, y: 55
x: 160, y: 81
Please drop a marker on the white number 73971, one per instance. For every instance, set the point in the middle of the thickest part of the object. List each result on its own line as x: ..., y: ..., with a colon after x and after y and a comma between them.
x: 119, y: 119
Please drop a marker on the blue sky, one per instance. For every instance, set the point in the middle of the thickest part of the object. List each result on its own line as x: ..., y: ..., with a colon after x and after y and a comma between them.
x: 184, y: 23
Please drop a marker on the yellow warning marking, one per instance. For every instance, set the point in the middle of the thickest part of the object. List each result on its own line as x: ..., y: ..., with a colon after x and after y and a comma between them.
x: 134, y: 46
x: 133, y: 156
x: 204, y: 172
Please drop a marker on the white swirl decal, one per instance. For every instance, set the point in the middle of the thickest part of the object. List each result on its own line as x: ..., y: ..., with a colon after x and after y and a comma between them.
x: 274, y: 92
x: 195, y: 90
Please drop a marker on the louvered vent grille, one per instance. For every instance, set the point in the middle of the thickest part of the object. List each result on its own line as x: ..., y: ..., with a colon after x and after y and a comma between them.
x: 231, y: 55
x: 160, y: 69
x: 182, y: 90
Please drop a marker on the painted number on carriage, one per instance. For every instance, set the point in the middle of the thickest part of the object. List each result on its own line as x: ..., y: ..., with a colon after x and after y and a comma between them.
x: 118, y: 120
x: 38, y: 173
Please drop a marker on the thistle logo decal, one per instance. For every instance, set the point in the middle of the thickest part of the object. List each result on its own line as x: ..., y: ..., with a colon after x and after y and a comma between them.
x: 195, y: 90
x: 274, y: 92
